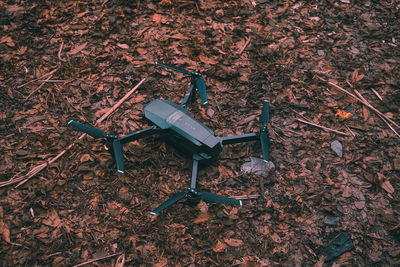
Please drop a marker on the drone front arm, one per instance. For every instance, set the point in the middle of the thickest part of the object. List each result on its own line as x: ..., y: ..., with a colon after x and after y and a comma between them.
x: 140, y: 134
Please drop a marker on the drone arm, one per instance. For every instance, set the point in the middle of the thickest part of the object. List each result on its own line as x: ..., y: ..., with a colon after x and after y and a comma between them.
x: 188, y: 94
x: 227, y: 140
x: 194, y: 173
x: 140, y: 134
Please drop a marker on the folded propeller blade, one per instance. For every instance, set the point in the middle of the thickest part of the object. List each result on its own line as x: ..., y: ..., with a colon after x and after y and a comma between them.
x: 118, y: 155
x: 90, y: 130
x: 265, y: 144
x: 264, y: 118
x: 213, y: 198
x: 201, y: 86
x: 174, y: 68
x: 175, y: 198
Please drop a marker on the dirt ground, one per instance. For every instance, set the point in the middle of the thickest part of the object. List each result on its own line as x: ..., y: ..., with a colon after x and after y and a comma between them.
x: 63, y: 60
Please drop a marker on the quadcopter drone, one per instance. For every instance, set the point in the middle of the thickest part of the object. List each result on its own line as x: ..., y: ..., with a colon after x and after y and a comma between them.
x: 186, y: 133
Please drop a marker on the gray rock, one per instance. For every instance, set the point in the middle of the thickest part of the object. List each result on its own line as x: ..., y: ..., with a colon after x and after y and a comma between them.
x: 337, y: 147
x: 257, y: 166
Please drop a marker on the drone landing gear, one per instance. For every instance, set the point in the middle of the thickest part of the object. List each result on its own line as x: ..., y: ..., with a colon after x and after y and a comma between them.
x: 196, y: 82
x: 191, y: 192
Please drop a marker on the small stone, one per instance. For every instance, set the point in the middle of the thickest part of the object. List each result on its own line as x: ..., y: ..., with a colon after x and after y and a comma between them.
x: 258, y: 166
x: 321, y: 53
x: 337, y: 148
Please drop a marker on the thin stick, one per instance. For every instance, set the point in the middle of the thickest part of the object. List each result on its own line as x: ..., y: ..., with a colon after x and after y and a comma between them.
x: 44, y: 75
x: 60, y: 50
x: 365, y: 102
x: 245, y: 45
x: 39, y: 87
x: 359, y: 99
x: 35, y: 170
x: 246, y: 197
x: 322, y: 127
x: 97, y: 259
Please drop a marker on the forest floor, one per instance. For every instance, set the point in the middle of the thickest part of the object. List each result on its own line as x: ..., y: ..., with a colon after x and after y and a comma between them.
x: 63, y: 60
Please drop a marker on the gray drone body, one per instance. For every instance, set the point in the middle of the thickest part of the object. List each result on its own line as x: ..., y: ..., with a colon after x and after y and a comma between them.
x: 185, y: 132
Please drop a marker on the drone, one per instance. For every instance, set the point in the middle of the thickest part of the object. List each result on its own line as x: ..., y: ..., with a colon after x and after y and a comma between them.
x: 187, y: 134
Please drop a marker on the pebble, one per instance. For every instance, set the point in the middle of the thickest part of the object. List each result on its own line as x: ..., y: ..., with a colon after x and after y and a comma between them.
x: 337, y: 148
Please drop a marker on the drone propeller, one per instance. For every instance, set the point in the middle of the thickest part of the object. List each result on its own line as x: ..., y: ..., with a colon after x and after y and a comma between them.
x: 196, y: 78
x: 97, y: 133
x: 177, y: 69
x: 264, y: 135
x: 90, y: 130
x: 205, y: 196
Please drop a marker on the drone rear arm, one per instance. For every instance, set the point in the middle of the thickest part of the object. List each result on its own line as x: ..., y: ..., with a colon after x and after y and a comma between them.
x: 227, y: 140
x: 140, y: 134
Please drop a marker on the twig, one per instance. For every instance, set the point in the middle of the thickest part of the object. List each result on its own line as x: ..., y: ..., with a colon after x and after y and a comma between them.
x: 22, y: 179
x: 246, y: 197
x: 359, y: 99
x: 97, y: 259
x: 322, y: 127
x: 365, y: 102
x: 245, y: 45
x: 60, y: 51
x: 377, y: 94
x: 44, y: 75
x: 39, y: 87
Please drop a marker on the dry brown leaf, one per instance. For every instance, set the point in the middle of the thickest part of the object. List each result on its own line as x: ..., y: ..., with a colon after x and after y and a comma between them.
x: 84, y: 158
x: 7, y: 40
x: 219, y: 247
x: 387, y: 186
x: 233, y: 242
x: 78, y: 49
x: 5, y: 231
x: 53, y: 220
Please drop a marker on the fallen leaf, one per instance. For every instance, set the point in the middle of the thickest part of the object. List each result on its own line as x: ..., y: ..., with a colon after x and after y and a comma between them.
x: 343, y: 114
x: 123, y: 46
x: 233, y: 242
x: 78, y: 49
x: 203, y: 217
x: 387, y: 186
x: 53, y: 220
x: 5, y: 231
x: 165, y: 3
x: 157, y: 18
x: 7, y: 40
x: 85, y: 157
x: 219, y: 247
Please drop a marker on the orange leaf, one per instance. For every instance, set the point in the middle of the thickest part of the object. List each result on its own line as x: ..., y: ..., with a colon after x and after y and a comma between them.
x: 233, y: 242
x: 219, y: 247
x: 203, y: 217
x: 343, y: 114
x: 157, y: 18
x: 85, y: 157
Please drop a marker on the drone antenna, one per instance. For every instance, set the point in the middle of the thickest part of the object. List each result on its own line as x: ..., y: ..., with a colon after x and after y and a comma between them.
x: 197, y: 81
